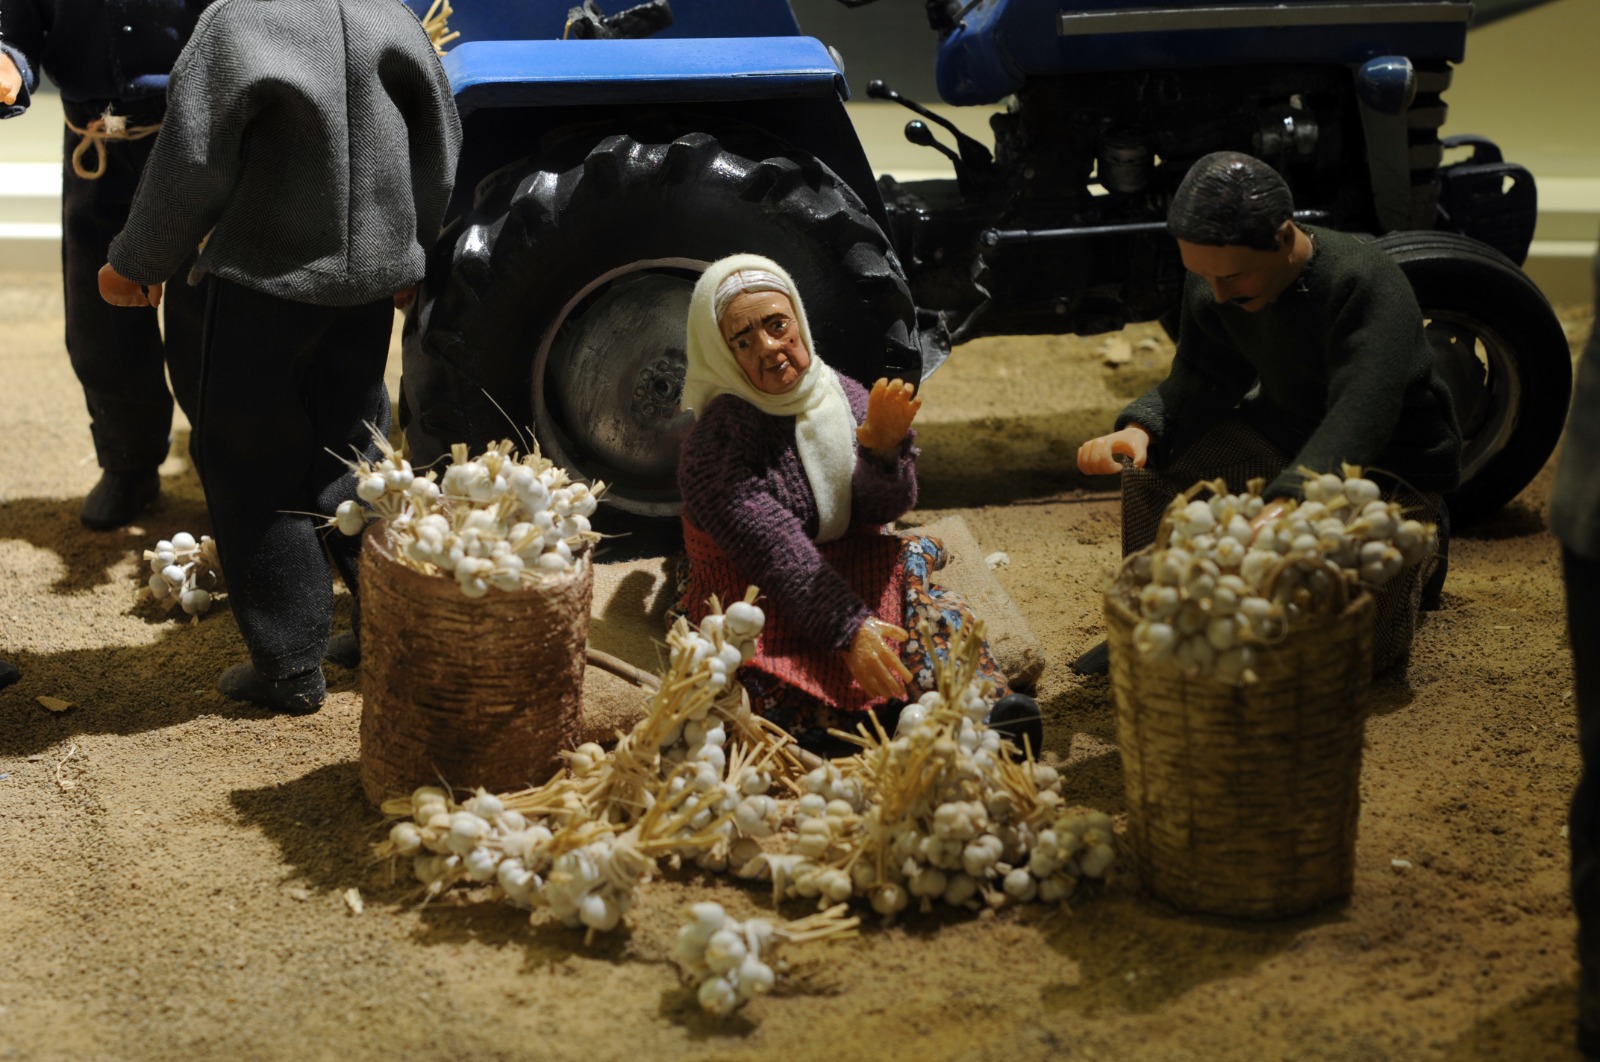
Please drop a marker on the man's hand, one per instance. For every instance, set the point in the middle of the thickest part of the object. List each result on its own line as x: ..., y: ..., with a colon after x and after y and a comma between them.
x: 118, y: 290
x: 891, y: 407
x: 1269, y: 512
x: 1098, y: 457
x: 874, y: 663
x: 10, y: 80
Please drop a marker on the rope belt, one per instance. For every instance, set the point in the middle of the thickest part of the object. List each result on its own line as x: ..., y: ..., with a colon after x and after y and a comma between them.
x: 106, y: 127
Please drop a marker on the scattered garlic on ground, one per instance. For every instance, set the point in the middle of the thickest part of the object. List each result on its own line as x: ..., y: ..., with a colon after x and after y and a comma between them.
x: 496, y: 520
x: 997, y: 559
x: 1400, y: 864
x: 940, y: 811
x: 185, y: 572
x: 352, y: 900
x: 730, y: 962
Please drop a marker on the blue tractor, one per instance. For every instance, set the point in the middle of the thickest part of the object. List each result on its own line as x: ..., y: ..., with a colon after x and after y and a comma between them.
x: 610, y: 156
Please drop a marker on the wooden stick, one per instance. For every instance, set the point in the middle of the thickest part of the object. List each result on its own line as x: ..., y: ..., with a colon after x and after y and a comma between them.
x: 622, y: 669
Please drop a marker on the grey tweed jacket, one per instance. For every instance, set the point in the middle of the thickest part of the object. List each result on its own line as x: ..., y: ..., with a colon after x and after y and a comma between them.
x: 315, y: 141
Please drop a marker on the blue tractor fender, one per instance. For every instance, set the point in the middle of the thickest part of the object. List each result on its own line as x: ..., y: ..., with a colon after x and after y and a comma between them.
x: 544, y: 73
x: 512, y: 92
x: 1000, y: 44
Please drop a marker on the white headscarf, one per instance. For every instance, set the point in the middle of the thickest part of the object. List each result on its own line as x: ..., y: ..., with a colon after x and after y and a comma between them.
x: 824, y: 429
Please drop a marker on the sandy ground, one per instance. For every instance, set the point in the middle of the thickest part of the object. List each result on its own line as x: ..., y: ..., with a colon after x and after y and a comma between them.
x: 172, y: 865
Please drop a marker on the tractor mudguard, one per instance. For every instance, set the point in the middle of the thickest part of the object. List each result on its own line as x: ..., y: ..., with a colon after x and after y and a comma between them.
x: 1000, y: 45
x: 653, y: 72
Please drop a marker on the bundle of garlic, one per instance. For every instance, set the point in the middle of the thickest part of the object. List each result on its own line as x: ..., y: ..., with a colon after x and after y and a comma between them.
x: 583, y: 842
x: 939, y: 812
x: 494, y: 520
x: 730, y: 962
x: 1218, y: 588
x: 184, y: 573
x: 585, y: 871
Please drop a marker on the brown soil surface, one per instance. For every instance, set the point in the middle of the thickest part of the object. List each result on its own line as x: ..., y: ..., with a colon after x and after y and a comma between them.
x: 173, y: 865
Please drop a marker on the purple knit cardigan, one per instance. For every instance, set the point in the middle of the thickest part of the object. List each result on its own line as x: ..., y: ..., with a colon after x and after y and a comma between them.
x: 743, y: 485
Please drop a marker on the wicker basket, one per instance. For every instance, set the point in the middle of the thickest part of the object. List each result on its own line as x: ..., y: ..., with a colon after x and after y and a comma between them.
x: 1243, y: 800
x: 472, y: 691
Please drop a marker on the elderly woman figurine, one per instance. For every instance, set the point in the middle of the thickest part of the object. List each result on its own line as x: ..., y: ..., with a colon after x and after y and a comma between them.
x: 787, y: 479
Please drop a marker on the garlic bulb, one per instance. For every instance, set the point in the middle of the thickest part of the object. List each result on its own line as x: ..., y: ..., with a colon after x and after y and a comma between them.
x: 730, y: 962
x: 184, y: 573
x: 1218, y: 590
x: 496, y: 521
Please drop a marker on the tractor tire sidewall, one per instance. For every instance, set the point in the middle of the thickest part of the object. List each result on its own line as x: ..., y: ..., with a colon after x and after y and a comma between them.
x: 1468, y: 279
x: 539, y: 235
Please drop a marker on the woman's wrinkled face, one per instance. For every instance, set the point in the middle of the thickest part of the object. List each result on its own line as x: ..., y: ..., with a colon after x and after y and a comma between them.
x: 760, y: 329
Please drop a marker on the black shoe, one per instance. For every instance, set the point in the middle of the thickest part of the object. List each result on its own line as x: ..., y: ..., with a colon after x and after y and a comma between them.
x: 298, y: 694
x: 1016, y: 715
x: 344, y: 649
x: 118, y: 498
x: 8, y: 674
x: 1096, y: 661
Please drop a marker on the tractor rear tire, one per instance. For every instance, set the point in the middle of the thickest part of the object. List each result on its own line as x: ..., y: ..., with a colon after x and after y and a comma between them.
x: 1502, y: 352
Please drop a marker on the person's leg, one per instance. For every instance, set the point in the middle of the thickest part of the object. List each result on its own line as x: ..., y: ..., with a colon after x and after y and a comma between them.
x: 347, y: 400
x: 1582, y: 578
x: 257, y: 448
x: 183, y: 311
x: 116, y: 352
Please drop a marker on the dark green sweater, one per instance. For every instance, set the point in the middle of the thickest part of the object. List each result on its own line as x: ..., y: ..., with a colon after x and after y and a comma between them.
x: 1336, y: 368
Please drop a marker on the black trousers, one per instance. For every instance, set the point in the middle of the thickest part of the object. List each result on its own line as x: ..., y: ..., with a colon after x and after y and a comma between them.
x: 282, y: 383
x: 1582, y: 576
x: 117, y: 353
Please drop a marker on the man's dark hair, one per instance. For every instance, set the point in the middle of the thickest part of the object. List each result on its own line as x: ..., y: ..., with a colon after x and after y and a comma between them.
x: 1229, y: 199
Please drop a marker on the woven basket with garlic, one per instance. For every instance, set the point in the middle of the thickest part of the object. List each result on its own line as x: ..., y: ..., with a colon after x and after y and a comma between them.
x: 1239, y: 666
x: 475, y: 593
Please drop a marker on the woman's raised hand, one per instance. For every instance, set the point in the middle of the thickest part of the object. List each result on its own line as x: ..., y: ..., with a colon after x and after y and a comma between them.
x: 874, y: 663
x: 891, y: 407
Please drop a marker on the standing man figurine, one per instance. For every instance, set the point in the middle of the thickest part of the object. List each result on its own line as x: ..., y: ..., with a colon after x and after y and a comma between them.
x: 1299, y: 347
x: 110, y: 59
x: 1575, y: 521
x: 310, y: 147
